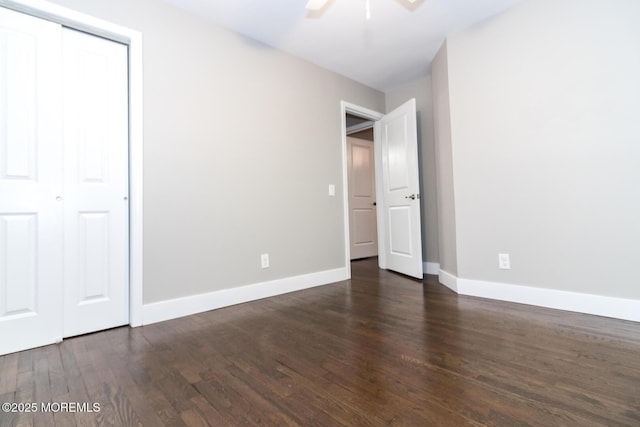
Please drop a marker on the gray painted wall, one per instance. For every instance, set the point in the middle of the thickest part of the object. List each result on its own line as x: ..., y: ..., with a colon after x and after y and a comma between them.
x: 545, y: 101
x: 241, y: 143
x: 420, y: 89
x: 444, y: 164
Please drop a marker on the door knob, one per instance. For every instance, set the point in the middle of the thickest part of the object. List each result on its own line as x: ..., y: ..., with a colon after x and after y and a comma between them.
x: 412, y: 197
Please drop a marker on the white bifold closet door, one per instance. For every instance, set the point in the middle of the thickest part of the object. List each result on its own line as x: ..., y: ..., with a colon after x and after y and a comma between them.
x: 30, y: 181
x: 63, y: 183
x: 96, y: 182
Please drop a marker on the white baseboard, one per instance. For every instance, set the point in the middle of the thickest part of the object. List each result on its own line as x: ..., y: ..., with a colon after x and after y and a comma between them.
x: 449, y: 280
x: 431, y: 268
x: 193, y: 304
x: 617, y: 308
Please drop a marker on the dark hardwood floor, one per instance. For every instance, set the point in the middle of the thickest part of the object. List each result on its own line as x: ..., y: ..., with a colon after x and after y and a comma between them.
x: 380, y: 349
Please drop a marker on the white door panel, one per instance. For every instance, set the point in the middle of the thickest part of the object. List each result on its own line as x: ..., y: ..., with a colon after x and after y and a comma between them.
x: 19, y: 259
x: 400, y: 240
x: 362, y: 211
x: 96, y: 183
x: 397, y: 153
x: 364, y: 228
x: 396, y: 167
x: 30, y: 183
x: 93, y: 257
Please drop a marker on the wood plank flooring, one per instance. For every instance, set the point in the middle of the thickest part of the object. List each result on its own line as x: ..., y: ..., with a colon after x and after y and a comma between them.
x: 378, y: 350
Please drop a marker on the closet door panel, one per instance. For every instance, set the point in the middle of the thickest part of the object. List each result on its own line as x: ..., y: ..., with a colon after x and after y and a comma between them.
x: 30, y: 182
x: 96, y: 181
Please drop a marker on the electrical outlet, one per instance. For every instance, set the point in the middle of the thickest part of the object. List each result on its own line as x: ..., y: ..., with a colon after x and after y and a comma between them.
x: 503, y: 262
x: 332, y: 190
x: 264, y: 259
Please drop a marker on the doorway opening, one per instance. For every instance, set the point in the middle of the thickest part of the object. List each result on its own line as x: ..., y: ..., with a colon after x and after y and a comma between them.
x: 356, y: 119
x: 397, y: 187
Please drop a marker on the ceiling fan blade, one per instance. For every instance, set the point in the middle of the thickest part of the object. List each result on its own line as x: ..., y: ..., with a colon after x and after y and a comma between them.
x: 315, y: 4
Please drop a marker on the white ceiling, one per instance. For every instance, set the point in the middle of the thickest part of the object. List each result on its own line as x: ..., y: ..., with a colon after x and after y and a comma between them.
x: 396, y: 46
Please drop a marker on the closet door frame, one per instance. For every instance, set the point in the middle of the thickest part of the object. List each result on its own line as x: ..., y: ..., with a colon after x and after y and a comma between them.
x: 133, y: 39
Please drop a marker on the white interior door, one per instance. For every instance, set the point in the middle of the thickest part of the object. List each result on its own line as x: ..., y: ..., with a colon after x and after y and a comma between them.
x: 96, y: 221
x: 398, y: 191
x: 30, y: 183
x: 363, y: 225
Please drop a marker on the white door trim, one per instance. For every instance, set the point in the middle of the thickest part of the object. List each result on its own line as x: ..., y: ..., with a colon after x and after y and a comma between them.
x: 346, y: 107
x: 70, y: 18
